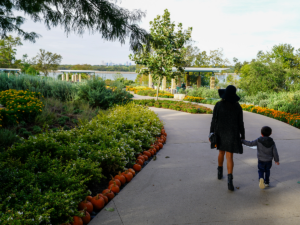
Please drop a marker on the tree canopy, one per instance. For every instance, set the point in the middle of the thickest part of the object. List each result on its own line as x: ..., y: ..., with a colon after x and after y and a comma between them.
x: 167, y: 49
x: 8, y: 52
x: 78, y: 16
x: 46, y: 61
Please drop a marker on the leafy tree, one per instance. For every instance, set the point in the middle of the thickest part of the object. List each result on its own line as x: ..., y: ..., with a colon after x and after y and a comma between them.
x: 46, y: 61
x: 238, y: 65
x: 103, y: 16
x: 257, y: 76
x: 167, y: 49
x: 32, y: 71
x: 8, y: 52
x: 282, y: 53
x: 216, y: 58
x: 81, y: 67
x: 202, y: 60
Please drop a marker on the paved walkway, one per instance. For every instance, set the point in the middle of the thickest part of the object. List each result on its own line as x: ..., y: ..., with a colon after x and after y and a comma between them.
x: 184, y: 188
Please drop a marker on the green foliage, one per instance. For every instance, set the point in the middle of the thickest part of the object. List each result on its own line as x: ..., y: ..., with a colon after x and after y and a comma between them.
x: 8, y: 52
x: 167, y: 49
x: 104, y: 17
x: 179, y: 106
x: 45, y: 177
x: 46, y: 61
x: 257, y: 76
x: 283, y: 101
x: 203, y: 92
x: 8, y: 137
x: 36, y: 129
x: 96, y: 93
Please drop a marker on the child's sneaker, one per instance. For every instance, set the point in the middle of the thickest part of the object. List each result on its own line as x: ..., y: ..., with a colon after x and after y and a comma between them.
x: 262, y: 183
x: 267, y: 185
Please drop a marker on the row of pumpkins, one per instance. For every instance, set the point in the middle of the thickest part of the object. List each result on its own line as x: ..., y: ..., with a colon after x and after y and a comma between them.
x: 100, y: 200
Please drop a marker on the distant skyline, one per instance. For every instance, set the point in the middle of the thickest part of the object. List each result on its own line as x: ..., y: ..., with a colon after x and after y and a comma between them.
x: 241, y: 28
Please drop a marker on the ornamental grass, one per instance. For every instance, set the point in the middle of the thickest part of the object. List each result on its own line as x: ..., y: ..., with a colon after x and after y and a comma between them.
x: 292, y: 119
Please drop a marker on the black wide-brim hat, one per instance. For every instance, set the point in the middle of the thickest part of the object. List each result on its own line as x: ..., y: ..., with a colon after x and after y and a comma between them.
x: 229, y: 94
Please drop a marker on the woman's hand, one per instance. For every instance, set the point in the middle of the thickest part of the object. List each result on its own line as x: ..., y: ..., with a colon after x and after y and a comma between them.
x: 209, y: 139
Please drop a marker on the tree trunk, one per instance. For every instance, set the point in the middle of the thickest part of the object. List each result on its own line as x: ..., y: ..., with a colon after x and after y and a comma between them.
x: 157, y: 89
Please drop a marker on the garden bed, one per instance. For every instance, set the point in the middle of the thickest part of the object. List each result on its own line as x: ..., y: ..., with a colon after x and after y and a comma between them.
x: 45, y: 177
x: 292, y: 119
x: 179, y: 106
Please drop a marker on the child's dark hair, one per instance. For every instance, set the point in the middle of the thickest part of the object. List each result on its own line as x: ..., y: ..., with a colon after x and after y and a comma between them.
x: 266, y: 131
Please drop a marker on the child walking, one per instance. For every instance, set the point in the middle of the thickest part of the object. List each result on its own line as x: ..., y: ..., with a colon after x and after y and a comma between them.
x: 266, y: 151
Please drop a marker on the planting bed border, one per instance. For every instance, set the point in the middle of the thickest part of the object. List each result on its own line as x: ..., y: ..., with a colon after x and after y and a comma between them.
x: 78, y: 220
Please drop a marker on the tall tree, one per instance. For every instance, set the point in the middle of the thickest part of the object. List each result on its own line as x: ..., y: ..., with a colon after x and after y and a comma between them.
x: 167, y: 49
x: 282, y: 53
x: 47, y: 61
x: 103, y: 16
x: 8, y: 51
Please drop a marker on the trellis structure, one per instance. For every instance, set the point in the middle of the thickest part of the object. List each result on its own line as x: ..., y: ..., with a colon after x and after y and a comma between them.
x: 76, y: 74
x: 187, y: 70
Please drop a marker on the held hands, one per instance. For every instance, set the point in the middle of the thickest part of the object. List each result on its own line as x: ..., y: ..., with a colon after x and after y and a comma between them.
x: 277, y: 163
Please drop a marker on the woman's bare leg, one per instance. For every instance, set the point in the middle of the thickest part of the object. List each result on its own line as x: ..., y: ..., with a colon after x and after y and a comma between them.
x: 221, y: 158
x: 229, y: 158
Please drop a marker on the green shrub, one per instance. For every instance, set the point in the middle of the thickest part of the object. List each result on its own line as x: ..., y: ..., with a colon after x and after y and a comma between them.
x: 96, y: 93
x: 45, y: 177
x: 8, y: 137
x: 36, y: 129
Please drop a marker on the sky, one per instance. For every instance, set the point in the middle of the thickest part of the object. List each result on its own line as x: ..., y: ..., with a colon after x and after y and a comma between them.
x: 240, y: 28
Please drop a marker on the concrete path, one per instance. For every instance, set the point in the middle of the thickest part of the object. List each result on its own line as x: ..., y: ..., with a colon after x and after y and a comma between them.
x: 184, y: 188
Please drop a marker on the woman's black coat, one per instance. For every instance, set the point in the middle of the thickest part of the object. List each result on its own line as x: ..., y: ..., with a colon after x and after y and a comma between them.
x: 228, y: 122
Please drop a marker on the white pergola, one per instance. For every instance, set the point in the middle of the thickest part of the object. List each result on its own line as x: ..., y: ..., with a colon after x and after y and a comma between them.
x: 10, y: 70
x: 198, y: 70
x: 76, y: 74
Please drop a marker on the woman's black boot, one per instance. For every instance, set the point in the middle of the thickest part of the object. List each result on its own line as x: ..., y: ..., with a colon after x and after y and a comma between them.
x: 230, y: 184
x: 220, y: 172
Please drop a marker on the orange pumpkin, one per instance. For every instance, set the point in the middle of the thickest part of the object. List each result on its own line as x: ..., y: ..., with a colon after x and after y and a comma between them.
x: 127, y: 175
x: 145, y: 157
x: 141, y: 157
x: 86, y: 205
x: 139, y: 161
x: 114, y: 188
x: 77, y: 221
x: 98, y: 202
x: 117, y: 181
x: 137, y: 167
x: 147, y: 153
x: 121, y: 178
x: 132, y: 171
x: 104, y: 197
x: 154, y: 150
x: 87, y: 218
x: 110, y: 195
x: 89, y: 198
x: 160, y: 145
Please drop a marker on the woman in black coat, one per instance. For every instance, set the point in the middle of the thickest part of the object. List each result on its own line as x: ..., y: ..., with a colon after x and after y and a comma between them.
x: 227, y: 123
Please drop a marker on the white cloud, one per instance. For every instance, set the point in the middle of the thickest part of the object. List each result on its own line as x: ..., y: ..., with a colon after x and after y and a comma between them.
x: 241, y: 28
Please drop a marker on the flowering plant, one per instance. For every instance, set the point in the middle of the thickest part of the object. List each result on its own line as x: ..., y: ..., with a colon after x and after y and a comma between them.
x: 292, y: 119
x: 20, y: 106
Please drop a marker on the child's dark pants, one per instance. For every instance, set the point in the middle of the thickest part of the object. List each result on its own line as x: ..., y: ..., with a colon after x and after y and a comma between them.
x: 264, y: 170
